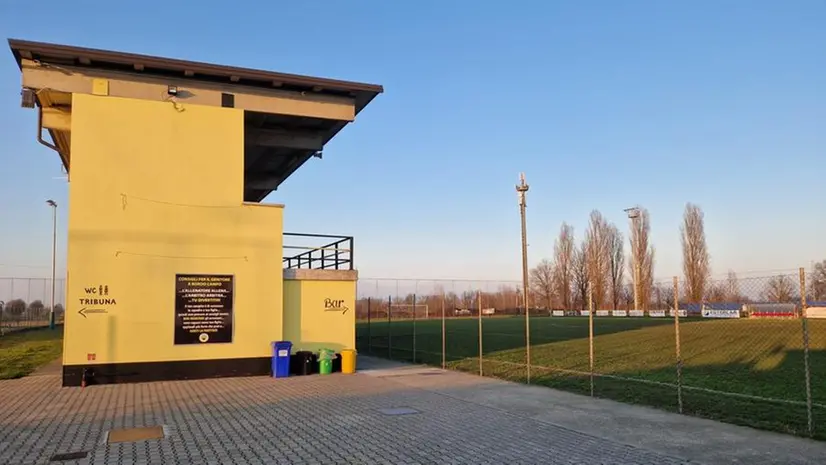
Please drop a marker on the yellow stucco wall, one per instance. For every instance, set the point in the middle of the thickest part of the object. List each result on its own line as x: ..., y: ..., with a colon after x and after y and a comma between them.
x: 156, y: 190
x: 315, y: 316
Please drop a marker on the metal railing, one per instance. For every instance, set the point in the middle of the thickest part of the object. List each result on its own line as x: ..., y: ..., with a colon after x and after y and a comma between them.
x: 336, y: 255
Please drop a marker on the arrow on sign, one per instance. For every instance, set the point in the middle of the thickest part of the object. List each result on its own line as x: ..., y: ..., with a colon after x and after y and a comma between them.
x: 84, y: 311
x: 343, y: 310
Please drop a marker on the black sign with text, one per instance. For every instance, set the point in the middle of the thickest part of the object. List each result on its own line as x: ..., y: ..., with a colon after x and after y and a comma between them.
x: 203, y: 309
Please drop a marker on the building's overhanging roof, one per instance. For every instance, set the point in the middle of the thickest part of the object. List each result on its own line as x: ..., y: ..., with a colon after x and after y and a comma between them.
x: 270, y: 155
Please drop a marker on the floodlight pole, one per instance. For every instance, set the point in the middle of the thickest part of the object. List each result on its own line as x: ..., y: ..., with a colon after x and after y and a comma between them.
x: 53, y: 204
x: 522, y: 191
x: 634, y: 216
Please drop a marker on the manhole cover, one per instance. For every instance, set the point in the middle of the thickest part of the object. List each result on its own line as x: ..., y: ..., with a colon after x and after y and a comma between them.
x: 135, y: 434
x: 69, y: 456
x: 398, y: 411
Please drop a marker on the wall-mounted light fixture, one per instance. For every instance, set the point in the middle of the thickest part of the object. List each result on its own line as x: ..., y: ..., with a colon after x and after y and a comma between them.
x: 28, y: 99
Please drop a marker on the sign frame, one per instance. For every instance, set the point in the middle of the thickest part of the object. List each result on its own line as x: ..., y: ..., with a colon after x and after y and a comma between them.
x: 225, y: 333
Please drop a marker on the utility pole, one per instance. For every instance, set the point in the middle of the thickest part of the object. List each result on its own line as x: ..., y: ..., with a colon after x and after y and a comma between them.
x: 634, y: 216
x: 521, y: 192
x: 53, y: 204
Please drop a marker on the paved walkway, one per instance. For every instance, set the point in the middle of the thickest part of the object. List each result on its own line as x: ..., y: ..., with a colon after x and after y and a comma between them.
x: 387, y: 414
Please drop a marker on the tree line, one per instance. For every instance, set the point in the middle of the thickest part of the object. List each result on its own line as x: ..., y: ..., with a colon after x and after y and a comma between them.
x: 15, y: 308
x: 595, y: 269
x: 598, y: 266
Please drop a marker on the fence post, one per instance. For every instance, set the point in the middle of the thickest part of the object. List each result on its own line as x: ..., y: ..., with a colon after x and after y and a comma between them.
x: 677, y: 345
x: 444, y: 365
x: 11, y: 297
x: 591, y: 335
x: 808, y: 373
x: 389, y: 330
x: 414, y: 328
x: 369, y: 333
x: 479, y: 317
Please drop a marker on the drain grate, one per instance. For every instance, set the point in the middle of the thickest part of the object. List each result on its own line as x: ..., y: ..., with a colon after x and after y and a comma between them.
x: 69, y: 456
x: 431, y: 373
x: 135, y: 434
x: 398, y: 411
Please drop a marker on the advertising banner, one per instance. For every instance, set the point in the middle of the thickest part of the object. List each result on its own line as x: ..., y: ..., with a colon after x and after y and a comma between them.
x: 712, y: 313
x: 636, y: 313
x: 816, y: 312
x: 619, y: 313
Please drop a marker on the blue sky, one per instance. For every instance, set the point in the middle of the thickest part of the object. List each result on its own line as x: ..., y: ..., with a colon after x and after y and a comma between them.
x: 602, y: 104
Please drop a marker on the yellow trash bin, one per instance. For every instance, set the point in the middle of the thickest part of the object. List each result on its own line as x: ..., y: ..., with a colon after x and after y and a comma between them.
x: 348, y: 361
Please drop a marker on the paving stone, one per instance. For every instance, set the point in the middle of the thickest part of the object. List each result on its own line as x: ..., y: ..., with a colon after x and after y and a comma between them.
x: 305, y: 420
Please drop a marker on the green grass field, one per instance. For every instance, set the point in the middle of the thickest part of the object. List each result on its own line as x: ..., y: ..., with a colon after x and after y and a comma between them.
x: 748, y: 359
x: 23, y: 352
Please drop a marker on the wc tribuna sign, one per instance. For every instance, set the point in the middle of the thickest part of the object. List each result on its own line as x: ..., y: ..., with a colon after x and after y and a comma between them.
x: 335, y: 305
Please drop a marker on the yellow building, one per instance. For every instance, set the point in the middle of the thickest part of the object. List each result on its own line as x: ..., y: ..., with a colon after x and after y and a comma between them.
x: 175, y: 268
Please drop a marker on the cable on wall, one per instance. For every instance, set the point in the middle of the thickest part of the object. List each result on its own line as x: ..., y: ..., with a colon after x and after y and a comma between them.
x: 179, y: 257
x: 125, y: 201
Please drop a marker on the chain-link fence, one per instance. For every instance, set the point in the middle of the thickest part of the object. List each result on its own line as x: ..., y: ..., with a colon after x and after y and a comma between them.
x: 749, y: 351
x: 26, y: 303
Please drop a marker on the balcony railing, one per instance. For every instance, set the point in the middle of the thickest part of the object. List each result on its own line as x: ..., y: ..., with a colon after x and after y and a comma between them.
x: 335, y: 255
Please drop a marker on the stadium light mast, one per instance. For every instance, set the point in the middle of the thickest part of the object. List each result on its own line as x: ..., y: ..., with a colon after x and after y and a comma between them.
x: 634, y: 216
x: 521, y: 192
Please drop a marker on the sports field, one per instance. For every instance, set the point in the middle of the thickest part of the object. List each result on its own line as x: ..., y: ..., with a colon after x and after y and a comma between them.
x: 749, y: 372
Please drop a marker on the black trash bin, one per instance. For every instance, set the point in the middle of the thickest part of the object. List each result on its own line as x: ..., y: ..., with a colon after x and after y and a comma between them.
x: 302, y: 363
x: 337, y: 364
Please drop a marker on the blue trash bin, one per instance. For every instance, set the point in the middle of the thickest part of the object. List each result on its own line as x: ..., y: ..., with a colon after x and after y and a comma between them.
x: 281, y: 359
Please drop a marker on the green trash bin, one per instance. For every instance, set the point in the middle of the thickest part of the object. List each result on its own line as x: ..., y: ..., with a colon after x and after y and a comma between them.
x: 325, y: 361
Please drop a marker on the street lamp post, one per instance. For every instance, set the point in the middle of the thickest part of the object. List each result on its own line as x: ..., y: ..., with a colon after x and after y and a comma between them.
x: 53, y: 204
x: 634, y: 216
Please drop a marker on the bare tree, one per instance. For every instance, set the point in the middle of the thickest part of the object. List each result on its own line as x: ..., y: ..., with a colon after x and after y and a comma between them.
x: 616, y: 264
x: 580, y: 275
x: 468, y: 299
x: 642, y: 254
x: 663, y: 297
x: 647, y: 278
x: 564, y: 254
x: 733, y: 287
x: 716, y: 292
x: 36, y: 308
x: 817, y: 281
x: 597, y: 256
x: 542, y: 282
x: 779, y: 289
x: 696, y: 265
x: 627, y: 296
x: 15, y: 307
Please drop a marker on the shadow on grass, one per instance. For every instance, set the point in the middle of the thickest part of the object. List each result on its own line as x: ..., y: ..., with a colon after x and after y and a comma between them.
x: 749, y: 372
x: 499, y: 333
